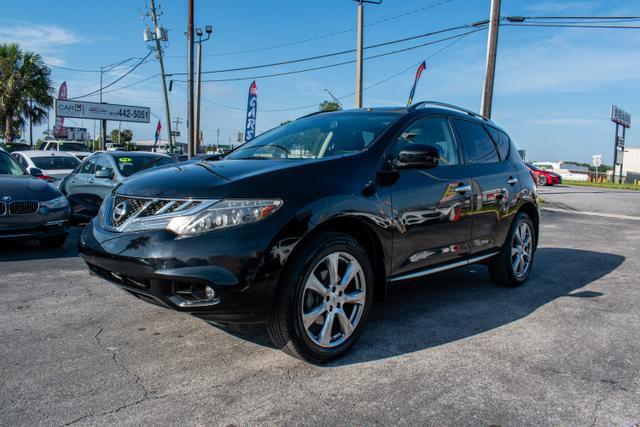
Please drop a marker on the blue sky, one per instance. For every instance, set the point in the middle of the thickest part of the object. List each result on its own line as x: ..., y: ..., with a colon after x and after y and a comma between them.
x: 554, y: 87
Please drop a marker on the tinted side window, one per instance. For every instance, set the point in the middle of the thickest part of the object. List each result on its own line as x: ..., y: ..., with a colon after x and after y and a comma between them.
x: 103, y: 163
x: 434, y: 131
x: 502, y: 141
x: 476, y: 143
x: 87, y: 167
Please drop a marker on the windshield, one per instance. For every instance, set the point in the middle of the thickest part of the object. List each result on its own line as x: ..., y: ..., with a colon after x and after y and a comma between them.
x: 73, y: 146
x: 128, y: 165
x: 532, y: 167
x: 8, y: 166
x: 55, y: 162
x: 16, y: 147
x: 317, y: 137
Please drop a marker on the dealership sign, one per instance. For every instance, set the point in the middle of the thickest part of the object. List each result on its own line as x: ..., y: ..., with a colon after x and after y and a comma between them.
x: 102, y: 111
x: 621, y: 117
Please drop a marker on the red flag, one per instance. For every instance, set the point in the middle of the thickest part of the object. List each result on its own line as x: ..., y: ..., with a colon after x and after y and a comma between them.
x: 421, y: 68
x: 157, y: 136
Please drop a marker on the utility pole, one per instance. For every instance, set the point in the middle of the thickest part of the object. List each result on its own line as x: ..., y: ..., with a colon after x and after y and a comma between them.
x: 190, y: 106
x: 30, y: 125
x: 492, y: 48
x: 359, y: 49
x: 218, y: 139
x: 103, y: 123
x: 160, y: 35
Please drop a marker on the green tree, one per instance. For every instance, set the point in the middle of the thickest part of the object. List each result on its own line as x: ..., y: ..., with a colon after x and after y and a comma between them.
x: 126, y: 135
x: 286, y: 122
x: 330, y: 106
x: 25, y: 88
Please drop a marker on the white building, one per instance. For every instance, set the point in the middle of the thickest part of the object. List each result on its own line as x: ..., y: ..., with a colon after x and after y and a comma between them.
x: 631, y: 160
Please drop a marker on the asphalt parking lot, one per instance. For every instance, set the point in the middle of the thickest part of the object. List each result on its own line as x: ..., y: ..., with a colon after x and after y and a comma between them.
x: 454, y: 349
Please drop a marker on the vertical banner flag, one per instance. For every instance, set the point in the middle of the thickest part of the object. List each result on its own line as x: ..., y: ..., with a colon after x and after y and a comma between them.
x: 157, y: 136
x: 421, y: 68
x: 58, y: 129
x: 252, y: 110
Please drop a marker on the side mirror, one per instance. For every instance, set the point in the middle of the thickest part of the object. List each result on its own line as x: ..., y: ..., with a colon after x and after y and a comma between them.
x: 36, y: 172
x: 104, y: 173
x: 418, y: 156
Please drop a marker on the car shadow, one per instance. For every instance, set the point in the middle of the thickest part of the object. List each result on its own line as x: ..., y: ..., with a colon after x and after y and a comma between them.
x: 16, y: 250
x: 457, y: 304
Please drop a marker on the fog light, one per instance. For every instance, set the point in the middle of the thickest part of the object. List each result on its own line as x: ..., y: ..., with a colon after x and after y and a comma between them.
x: 209, y: 293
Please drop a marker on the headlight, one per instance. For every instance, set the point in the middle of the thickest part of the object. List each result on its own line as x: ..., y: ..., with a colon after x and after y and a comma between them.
x: 223, y: 214
x: 57, y: 203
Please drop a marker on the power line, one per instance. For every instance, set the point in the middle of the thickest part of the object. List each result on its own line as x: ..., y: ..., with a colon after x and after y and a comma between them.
x: 132, y: 84
x: 86, y: 70
x: 378, y: 83
x: 478, y: 24
x: 116, y: 80
x: 618, y: 27
x: 326, y: 35
x: 322, y: 67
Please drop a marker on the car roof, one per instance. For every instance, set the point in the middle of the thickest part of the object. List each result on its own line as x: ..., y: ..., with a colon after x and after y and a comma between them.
x: 134, y: 153
x: 44, y: 153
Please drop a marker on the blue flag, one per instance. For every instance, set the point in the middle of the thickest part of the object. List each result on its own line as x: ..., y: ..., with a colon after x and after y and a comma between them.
x: 252, y: 110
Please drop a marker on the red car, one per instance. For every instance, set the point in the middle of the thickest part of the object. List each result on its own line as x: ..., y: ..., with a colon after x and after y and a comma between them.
x: 543, y: 177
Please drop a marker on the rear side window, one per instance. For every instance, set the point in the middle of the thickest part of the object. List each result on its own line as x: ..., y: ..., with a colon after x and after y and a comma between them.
x: 502, y: 141
x: 476, y: 143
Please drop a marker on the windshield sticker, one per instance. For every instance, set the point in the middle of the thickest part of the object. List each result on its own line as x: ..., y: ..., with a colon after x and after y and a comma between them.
x: 125, y: 160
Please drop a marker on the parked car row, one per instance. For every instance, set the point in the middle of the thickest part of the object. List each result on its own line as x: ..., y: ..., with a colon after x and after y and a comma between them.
x: 42, y: 192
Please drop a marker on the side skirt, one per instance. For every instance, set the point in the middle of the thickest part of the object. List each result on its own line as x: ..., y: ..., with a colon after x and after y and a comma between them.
x: 434, y: 270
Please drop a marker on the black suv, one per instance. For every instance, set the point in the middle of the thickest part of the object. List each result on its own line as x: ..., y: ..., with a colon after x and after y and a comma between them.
x: 303, y: 226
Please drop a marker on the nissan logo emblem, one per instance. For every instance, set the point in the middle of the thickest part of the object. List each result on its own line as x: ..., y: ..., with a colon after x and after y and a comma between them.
x: 120, y: 211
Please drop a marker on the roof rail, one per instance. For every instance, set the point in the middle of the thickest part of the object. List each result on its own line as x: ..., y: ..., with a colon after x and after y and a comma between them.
x: 453, y: 107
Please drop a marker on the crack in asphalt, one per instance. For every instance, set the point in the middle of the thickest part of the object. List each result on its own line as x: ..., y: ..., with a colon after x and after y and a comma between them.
x: 146, y: 393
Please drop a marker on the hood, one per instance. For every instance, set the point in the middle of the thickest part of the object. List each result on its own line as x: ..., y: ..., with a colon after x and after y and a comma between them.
x: 200, y: 179
x: 26, y: 188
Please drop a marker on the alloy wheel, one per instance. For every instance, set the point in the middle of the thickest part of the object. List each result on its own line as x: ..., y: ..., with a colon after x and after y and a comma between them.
x: 333, y: 299
x: 521, y: 250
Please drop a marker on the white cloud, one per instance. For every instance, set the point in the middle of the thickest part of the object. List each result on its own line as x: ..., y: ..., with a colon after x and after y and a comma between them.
x: 556, y: 6
x: 39, y: 38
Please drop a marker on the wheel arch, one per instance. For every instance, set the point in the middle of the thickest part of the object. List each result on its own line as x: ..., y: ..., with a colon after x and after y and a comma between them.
x: 365, y: 236
x: 532, y: 212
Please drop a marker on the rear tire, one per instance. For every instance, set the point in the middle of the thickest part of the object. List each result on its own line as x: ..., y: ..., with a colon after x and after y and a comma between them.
x: 511, y: 267
x: 53, y: 242
x: 324, y: 297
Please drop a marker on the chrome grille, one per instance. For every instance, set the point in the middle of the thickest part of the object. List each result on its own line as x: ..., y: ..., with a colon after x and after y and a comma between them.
x: 23, y: 207
x: 124, y: 208
x: 3, y: 208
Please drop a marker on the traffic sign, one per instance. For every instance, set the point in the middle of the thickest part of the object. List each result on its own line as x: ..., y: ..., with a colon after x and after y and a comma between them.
x: 102, y: 111
x: 597, y: 160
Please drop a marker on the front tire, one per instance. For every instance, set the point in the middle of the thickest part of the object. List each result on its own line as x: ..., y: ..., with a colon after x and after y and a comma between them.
x: 323, y: 300
x: 511, y: 267
x: 542, y: 180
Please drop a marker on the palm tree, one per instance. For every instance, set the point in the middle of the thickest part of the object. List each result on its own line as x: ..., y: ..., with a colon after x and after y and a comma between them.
x: 25, y: 89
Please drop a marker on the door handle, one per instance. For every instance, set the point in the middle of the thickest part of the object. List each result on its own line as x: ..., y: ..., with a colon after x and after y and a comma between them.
x: 461, y: 189
x: 512, y: 181
x: 91, y: 181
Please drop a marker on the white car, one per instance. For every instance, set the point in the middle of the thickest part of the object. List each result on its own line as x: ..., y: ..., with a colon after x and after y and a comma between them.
x: 55, y: 165
x: 76, y: 148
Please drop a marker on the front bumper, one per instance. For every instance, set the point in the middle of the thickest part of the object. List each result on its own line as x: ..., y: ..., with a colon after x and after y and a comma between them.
x: 43, y: 224
x: 159, y: 268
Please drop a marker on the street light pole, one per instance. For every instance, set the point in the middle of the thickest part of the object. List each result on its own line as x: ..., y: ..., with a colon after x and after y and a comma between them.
x: 492, y: 48
x: 359, y: 49
x: 190, y: 105
x: 197, y: 139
